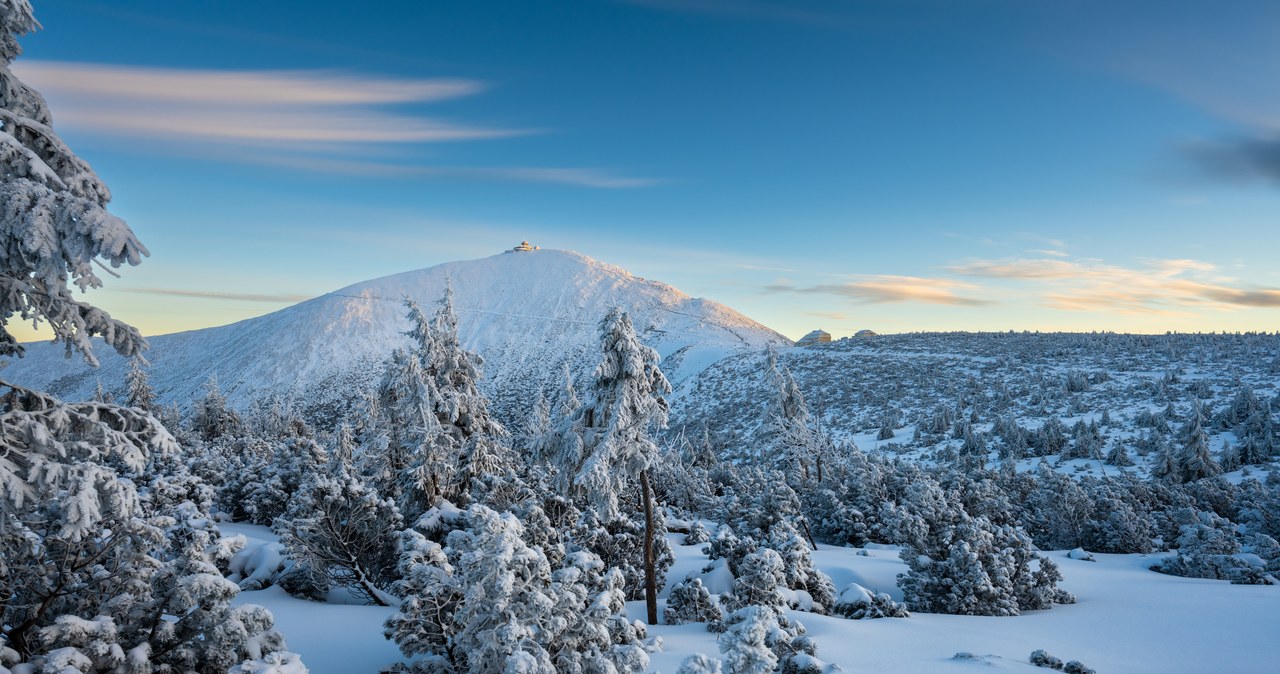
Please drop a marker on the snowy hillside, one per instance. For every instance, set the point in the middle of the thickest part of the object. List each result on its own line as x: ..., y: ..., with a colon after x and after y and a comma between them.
x: 1092, y: 402
x: 527, y: 313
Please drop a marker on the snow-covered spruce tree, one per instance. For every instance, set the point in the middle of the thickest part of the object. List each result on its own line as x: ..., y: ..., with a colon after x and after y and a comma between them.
x: 404, y: 435
x: 462, y: 410
x: 54, y: 225
x: 568, y: 402
x: 437, y: 437
x: 605, y: 447
x: 213, y: 418
x: 1260, y: 439
x: 487, y: 602
x: 1118, y: 456
x: 1191, y: 459
x: 537, y: 426
x: 343, y: 534
x: 793, y: 439
x: 140, y: 394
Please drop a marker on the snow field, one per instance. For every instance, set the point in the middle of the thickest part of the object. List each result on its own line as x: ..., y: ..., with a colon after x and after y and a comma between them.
x: 1127, y: 619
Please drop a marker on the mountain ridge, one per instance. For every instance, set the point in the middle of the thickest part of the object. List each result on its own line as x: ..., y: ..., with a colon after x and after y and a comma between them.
x: 528, y: 313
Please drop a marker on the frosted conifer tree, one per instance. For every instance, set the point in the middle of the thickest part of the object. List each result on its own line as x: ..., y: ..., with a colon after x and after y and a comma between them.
x: 140, y: 394
x: 440, y: 435
x: 794, y: 439
x: 538, y: 424
x: 745, y: 645
x: 404, y: 437
x: 213, y: 418
x: 605, y: 447
x: 1193, y: 460
x: 569, y: 401
x: 54, y: 225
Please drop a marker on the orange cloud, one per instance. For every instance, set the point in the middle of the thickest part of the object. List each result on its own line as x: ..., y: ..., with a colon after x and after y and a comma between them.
x: 887, y: 288
x: 1158, y: 286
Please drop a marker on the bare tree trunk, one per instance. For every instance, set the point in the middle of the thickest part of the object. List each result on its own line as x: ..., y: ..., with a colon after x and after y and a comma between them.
x: 650, y: 573
x: 804, y: 524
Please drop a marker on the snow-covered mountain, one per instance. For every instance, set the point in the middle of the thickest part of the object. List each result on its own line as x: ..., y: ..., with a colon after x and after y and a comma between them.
x: 526, y: 312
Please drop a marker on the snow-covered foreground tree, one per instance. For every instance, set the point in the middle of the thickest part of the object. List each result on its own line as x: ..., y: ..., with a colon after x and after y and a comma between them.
x: 54, y: 225
x: 605, y: 447
x: 96, y: 575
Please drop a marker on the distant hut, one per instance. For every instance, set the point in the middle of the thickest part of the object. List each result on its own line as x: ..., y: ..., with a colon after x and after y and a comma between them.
x: 815, y: 337
x: 524, y: 246
x: 865, y: 333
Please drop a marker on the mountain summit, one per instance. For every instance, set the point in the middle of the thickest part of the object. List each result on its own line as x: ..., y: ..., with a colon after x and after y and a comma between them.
x: 527, y: 312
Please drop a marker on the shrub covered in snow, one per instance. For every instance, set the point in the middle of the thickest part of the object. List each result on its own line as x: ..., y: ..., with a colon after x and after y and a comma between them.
x: 699, y: 663
x: 1041, y: 658
x: 857, y: 603
x: 487, y: 602
x: 761, y: 639
x: 690, y: 602
x: 340, y: 533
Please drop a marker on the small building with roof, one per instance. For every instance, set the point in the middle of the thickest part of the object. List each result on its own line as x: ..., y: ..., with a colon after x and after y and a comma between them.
x: 815, y: 337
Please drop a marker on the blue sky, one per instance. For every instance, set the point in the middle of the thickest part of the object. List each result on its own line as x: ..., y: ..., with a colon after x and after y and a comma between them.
x: 895, y: 165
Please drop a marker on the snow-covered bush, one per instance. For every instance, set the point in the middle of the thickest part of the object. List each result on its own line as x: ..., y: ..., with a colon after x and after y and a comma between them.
x: 1208, y: 548
x: 759, y: 581
x: 341, y: 534
x: 857, y: 603
x: 968, y: 565
x: 1041, y: 658
x: 697, y: 534
x: 620, y: 543
x: 1077, y: 667
x: 163, y: 600
x: 690, y: 602
x: 487, y: 602
x: 759, y: 639
x: 700, y: 663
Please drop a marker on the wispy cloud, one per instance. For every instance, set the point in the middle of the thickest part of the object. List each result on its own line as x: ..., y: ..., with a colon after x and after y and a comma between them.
x: 1155, y: 286
x: 886, y: 288
x: 1227, y: 73
x: 214, y: 295
x: 322, y: 120
x: 1238, y: 160
x: 580, y: 177
x: 291, y: 108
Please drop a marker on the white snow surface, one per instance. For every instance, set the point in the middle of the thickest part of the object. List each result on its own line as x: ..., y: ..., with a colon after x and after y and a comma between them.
x: 1127, y: 619
x: 526, y: 314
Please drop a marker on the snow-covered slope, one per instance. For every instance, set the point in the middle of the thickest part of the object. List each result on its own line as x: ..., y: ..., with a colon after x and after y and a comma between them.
x: 526, y: 313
